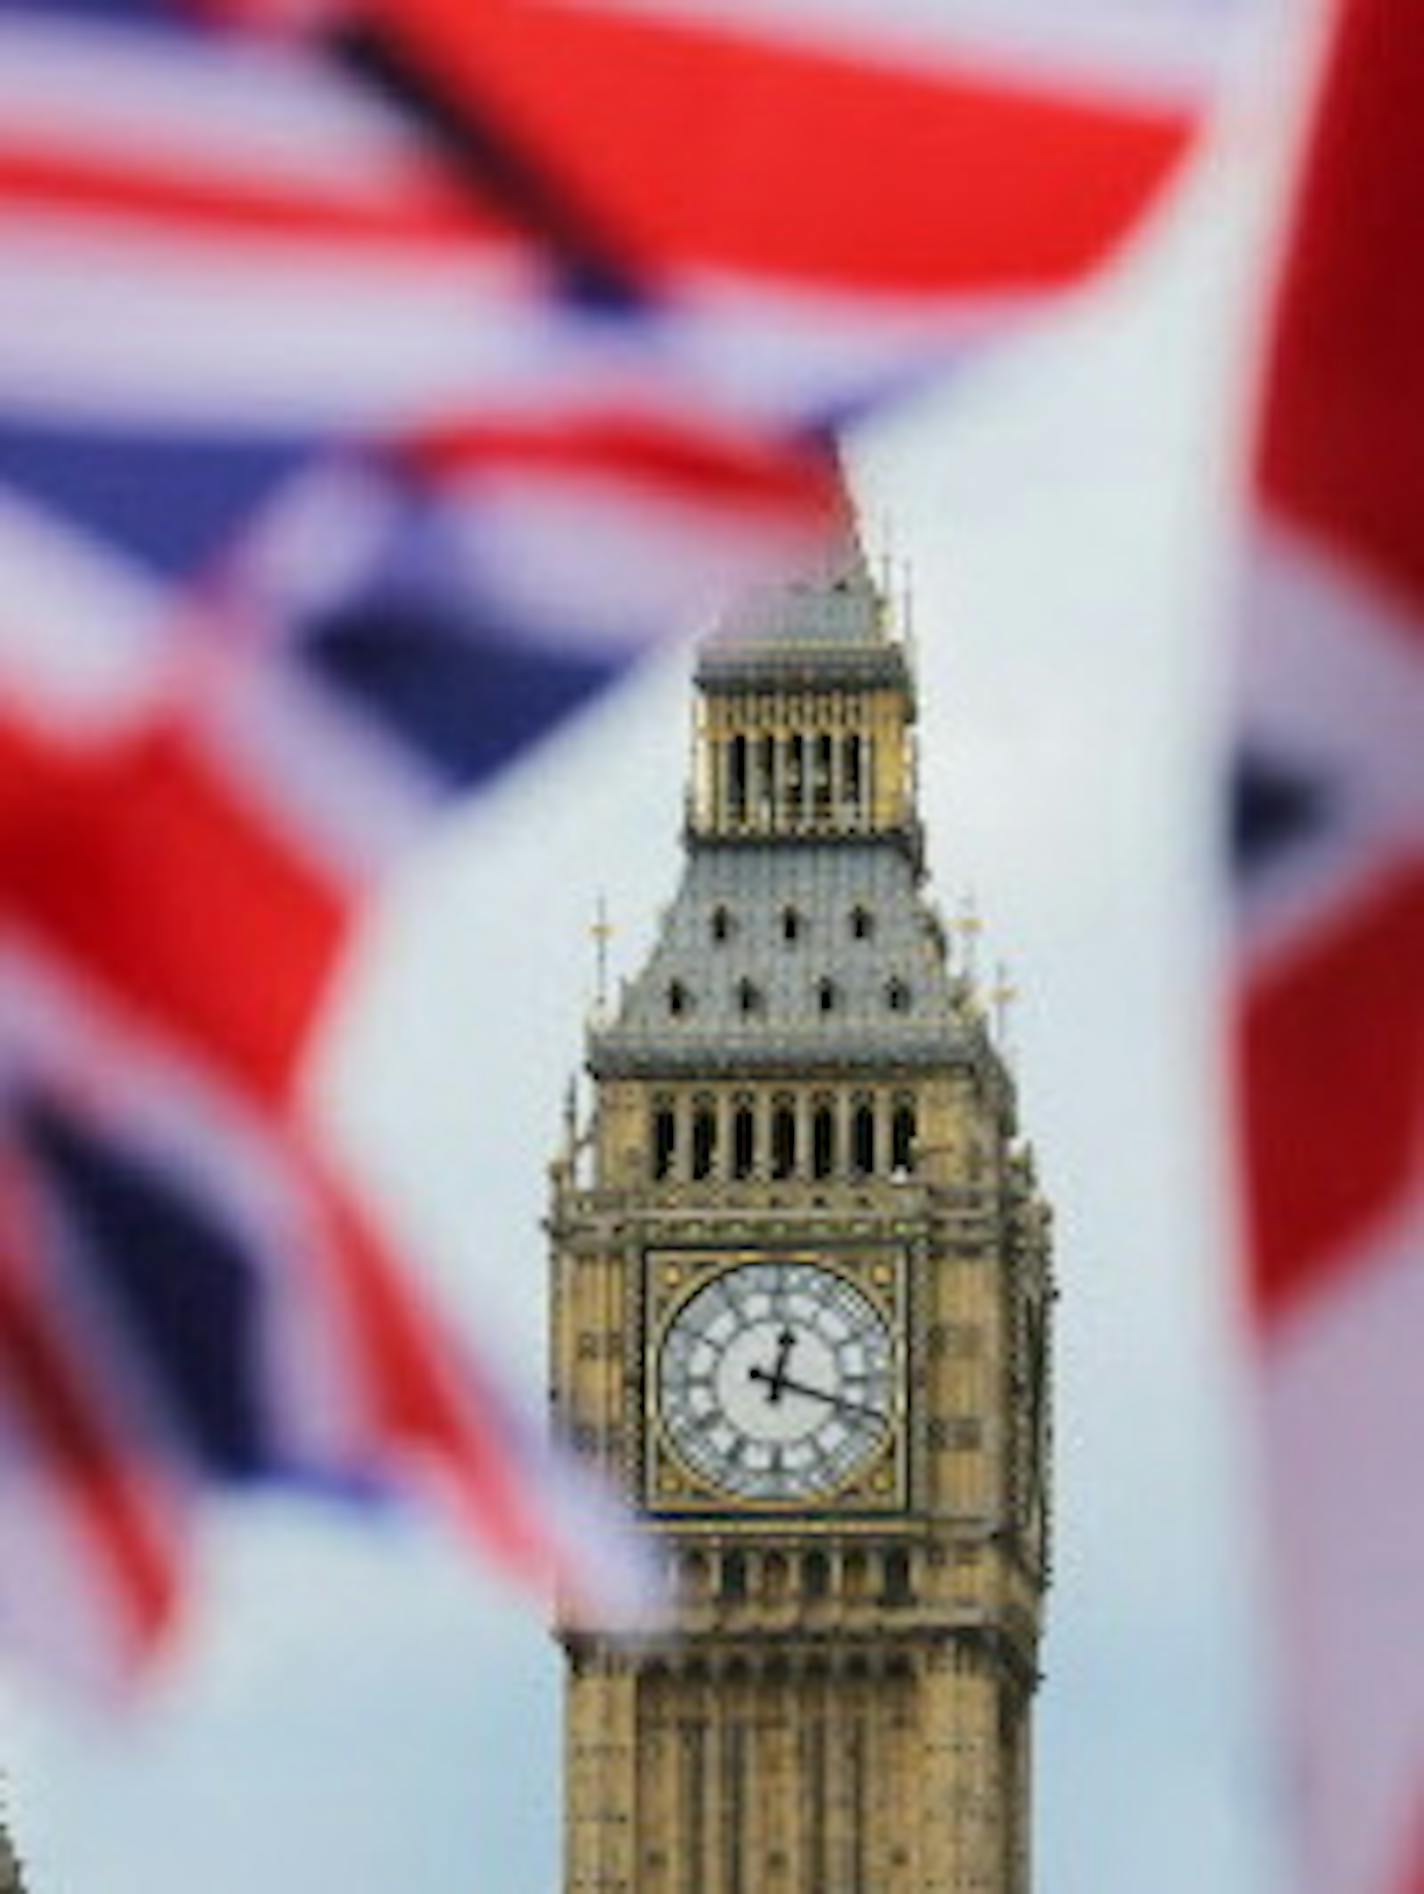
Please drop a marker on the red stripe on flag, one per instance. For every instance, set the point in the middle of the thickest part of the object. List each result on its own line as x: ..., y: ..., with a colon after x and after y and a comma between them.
x: 1412, y: 1880
x: 691, y: 145
x: 676, y: 461
x: 144, y: 870
x: 1342, y: 448
x: 74, y: 1453
x: 417, y: 209
x: 1332, y: 1055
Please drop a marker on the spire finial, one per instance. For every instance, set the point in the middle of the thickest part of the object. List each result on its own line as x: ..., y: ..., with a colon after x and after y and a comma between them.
x: 1001, y: 998
x: 601, y: 933
x: 969, y: 927
x: 888, y: 562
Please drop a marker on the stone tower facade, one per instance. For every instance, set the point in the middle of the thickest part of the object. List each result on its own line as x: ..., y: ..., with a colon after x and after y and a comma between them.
x: 12, y: 1881
x: 800, y: 1310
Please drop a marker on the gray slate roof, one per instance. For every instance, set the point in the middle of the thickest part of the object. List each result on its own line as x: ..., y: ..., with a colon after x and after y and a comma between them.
x: 756, y: 883
x: 834, y: 603
x: 828, y: 626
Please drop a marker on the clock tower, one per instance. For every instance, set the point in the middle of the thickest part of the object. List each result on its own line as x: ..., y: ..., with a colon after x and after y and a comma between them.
x: 800, y: 1312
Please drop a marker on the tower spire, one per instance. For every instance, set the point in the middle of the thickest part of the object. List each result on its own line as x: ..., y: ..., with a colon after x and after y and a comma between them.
x: 601, y: 933
x: 794, y: 1303
x: 1002, y: 996
x: 969, y: 927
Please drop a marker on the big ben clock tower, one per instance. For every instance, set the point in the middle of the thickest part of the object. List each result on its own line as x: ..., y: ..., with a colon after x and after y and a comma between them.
x: 800, y: 1310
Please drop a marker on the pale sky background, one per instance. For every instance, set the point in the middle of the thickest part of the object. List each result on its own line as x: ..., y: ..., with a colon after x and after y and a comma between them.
x: 360, y: 1710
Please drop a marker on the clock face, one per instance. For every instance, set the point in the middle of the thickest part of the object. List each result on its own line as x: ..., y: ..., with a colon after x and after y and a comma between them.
x: 775, y: 1381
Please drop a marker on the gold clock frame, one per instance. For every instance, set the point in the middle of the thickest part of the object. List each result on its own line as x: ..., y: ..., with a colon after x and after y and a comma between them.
x: 672, y: 1491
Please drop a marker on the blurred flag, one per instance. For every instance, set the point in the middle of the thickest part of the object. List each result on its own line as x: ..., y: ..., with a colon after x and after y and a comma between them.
x: 186, y: 1299
x: 376, y: 381
x: 1331, y: 1044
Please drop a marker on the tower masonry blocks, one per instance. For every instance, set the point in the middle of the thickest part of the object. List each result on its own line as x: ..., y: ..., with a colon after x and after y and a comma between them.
x: 800, y: 1312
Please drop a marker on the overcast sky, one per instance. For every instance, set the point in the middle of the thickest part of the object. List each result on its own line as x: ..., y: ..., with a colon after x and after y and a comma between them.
x: 360, y: 1710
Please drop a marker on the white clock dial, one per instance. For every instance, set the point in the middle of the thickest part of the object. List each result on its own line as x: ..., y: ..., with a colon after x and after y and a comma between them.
x: 775, y: 1381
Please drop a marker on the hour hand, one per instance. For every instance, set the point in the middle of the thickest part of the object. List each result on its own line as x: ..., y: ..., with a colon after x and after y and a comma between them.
x: 775, y: 1376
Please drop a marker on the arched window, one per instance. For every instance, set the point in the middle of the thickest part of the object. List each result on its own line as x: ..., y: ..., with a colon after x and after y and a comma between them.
x: 822, y: 780
x: 737, y: 779
x: 854, y: 779
x: 826, y: 996
x: 795, y: 778
x: 862, y: 1137
x: 664, y: 1139
x: 790, y: 926
x: 823, y: 1139
x: 902, y: 1137
x: 748, y: 996
x: 704, y: 1138
x: 679, y: 1000
x: 815, y: 1575
x: 856, y: 1574
x: 734, y: 1575
x: 862, y: 923
x: 743, y: 1139
x: 766, y: 776
x: 897, y: 1577
x: 721, y: 925
x: 897, y: 996
x: 783, y: 1138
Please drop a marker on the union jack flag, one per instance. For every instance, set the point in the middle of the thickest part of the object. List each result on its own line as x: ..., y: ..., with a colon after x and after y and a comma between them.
x: 376, y: 382
x: 1330, y: 835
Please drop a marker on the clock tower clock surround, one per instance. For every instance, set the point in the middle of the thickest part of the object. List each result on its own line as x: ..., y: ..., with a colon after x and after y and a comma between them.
x: 800, y: 1312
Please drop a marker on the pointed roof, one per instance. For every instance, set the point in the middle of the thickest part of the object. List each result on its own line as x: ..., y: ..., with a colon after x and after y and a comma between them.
x: 864, y: 984
x: 832, y: 620
x: 833, y: 602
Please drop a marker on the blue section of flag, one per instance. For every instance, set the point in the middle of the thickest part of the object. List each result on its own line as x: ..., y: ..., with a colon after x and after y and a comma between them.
x: 179, y: 1282
x: 148, y: 11
x: 1275, y: 807
x: 172, y: 501
x: 466, y: 699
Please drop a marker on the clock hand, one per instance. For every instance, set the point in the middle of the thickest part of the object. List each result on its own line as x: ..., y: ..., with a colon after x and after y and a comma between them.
x: 785, y: 1384
x: 856, y: 1408
x: 775, y: 1376
x: 785, y: 1342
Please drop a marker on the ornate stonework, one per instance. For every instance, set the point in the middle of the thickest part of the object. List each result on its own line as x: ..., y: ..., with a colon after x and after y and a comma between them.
x: 800, y: 1309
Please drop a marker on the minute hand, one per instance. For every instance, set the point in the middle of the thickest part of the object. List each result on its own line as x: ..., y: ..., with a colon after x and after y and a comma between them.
x: 820, y: 1394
